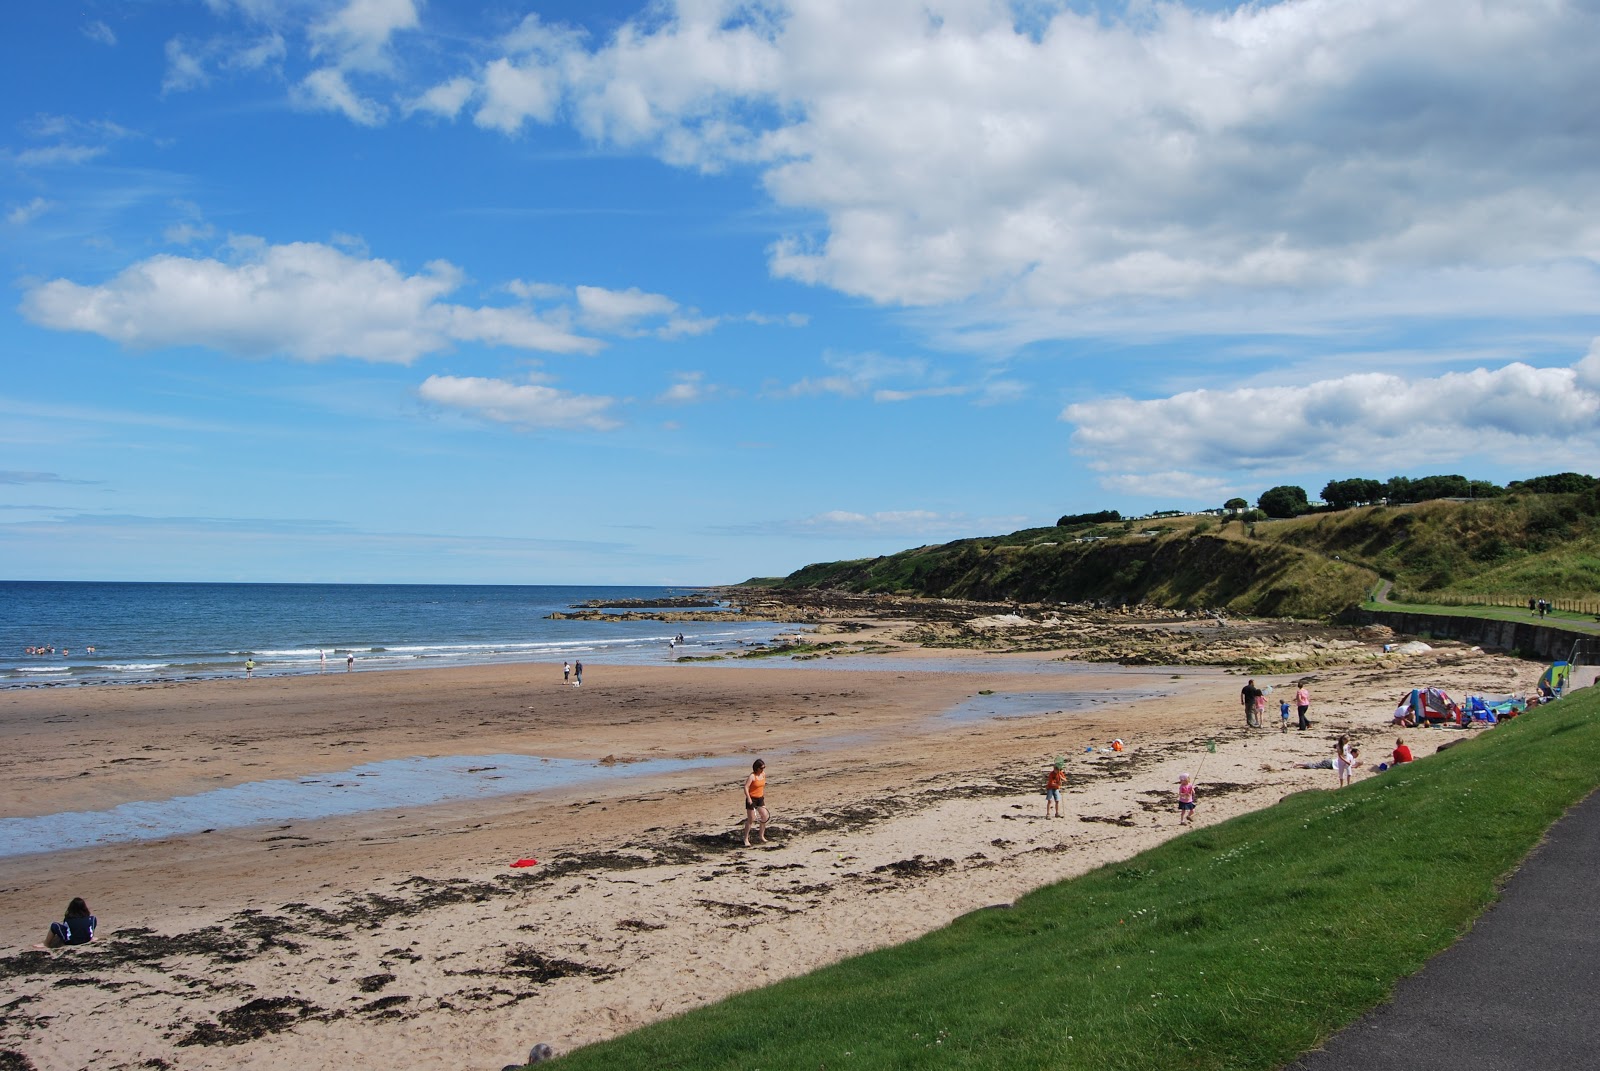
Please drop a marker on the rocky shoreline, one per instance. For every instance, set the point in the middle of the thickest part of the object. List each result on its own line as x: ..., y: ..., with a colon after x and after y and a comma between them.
x: 1128, y: 635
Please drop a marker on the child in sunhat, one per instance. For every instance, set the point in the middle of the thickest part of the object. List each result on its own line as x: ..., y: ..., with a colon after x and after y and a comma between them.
x: 1054, y: 782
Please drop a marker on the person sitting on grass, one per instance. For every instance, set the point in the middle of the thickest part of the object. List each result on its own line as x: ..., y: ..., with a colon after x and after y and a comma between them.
x: 76, y: 928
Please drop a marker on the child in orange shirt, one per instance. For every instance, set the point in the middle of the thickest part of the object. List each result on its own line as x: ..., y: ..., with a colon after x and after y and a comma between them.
x: 1054, y: 782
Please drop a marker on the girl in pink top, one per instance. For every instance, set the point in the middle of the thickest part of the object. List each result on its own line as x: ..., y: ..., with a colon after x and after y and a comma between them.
x: 1185, y: 800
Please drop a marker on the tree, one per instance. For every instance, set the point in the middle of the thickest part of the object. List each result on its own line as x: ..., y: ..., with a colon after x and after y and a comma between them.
x: 1342, y: 494
x: 1235, y: 504
x: 1556, y: 484
x: 1105, y: 516
x: 1283, y: 501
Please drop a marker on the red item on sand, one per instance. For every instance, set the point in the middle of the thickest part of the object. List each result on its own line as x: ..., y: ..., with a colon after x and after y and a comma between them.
x: 526, y: 862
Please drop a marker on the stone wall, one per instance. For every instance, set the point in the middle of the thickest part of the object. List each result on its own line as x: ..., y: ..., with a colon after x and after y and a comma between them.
x: 1526, y: 638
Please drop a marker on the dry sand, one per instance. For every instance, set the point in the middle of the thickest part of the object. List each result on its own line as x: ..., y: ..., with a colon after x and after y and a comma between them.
x: 404, y: 938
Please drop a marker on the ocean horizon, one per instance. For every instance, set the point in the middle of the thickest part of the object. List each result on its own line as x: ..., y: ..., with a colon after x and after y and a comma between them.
x: 109, y: 632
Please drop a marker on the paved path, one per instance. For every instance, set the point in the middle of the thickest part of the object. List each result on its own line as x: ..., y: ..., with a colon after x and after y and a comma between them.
x: 1516, y: 992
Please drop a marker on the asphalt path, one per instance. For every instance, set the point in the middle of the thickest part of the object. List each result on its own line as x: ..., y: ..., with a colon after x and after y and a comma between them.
x: 1518, y: 991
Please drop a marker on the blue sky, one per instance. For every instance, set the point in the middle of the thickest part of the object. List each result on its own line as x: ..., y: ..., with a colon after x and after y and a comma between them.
x: 385, y: 290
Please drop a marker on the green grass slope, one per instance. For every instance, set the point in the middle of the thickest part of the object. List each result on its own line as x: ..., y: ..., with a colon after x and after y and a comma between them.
x: 1236, y: 946
x: 1310, y: 567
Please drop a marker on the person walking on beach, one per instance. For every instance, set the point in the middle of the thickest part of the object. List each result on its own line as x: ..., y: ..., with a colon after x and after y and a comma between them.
x: 1185, y: 800
x: 755, y: 800
x: 566, y: 672
x: 1252, y: 698
x: 1283, y: 713
x: 1054, y: 782
x: 322, y: 661
x: 577, y: 674
x: 1302, y: 702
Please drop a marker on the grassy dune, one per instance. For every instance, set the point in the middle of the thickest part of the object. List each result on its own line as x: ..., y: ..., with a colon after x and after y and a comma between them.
x: 1236, y: 946
x: 1308, y: 567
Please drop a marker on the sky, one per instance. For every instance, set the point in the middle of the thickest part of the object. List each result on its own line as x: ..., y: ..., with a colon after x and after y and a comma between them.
x: 695, y: 291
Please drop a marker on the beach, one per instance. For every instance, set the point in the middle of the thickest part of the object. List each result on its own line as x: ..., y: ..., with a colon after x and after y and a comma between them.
x: 902, y: 797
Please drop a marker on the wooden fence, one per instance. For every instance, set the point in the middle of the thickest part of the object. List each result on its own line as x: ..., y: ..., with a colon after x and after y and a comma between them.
x: 1573, y: 606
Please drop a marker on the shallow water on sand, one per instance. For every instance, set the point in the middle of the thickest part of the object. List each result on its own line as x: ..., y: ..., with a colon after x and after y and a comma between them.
x: 373, y: 786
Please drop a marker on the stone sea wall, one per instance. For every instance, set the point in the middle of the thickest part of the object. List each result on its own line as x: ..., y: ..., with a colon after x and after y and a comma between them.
x: 1526, y: 638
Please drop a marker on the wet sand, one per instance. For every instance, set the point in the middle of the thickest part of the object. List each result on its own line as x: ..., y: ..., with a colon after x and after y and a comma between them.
x: 403, y: 935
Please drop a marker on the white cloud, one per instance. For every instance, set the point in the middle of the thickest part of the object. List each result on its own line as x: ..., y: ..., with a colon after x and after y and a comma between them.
x: 858, y: 375
x: 303, y: 299
x: 634, y: 312
x: 185, y: 68
x: 190, y: 63
x: 532, y: 405
x: 1165, y: 152
x: 691, y: 387
x: 445, y: 99
x: 887, y: 395
x: 98, y: 32
x: 538, y: 291
x: 326, y: 89
x: 1362, y: 421
x: 58, y: 155
x: 22, y: 215
x: 357, y: 35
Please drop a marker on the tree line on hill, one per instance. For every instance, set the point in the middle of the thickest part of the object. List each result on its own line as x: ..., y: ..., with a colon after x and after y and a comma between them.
x: 1287, y: 500
x: 1290, y: 501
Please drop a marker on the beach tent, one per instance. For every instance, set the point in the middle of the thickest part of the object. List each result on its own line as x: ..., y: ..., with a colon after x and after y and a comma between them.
x: 1555, y: 679
x: 1491, y: 708
x: 1428, y: 705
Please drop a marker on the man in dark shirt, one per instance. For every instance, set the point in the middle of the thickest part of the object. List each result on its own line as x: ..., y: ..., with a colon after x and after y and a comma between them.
x: 1248, y: 696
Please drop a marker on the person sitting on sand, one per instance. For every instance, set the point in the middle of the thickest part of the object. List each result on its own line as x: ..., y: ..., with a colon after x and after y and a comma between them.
x: 1054, y: 782
x: 1402, y: 753
x: 755, y: 800
x: 76, y: 928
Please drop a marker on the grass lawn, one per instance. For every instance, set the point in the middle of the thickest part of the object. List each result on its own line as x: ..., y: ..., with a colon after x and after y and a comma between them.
x: 1235, y: 946
x: 1556, y: 619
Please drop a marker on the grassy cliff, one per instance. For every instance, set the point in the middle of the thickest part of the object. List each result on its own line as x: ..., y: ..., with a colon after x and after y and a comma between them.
x: 1308, y: 567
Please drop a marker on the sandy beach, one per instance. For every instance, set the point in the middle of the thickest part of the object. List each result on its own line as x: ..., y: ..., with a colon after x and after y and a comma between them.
x: 902, y: 797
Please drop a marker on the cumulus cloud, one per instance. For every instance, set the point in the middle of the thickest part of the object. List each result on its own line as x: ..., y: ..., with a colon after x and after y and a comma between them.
x: 357, y: 34
x: 691, y: 387
x: 445, y: 99
x: 635, y: 312
x: 303, y: 299
x: 956, y: 153
x: 327, y: 89
x: 1359, y: 421
x: 530, y: 405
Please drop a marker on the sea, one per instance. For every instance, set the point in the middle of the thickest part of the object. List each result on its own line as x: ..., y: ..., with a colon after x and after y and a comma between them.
x: 120, y: 633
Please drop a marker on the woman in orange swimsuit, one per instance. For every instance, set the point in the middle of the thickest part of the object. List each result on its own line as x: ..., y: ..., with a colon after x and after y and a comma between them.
x: 755, y: 800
